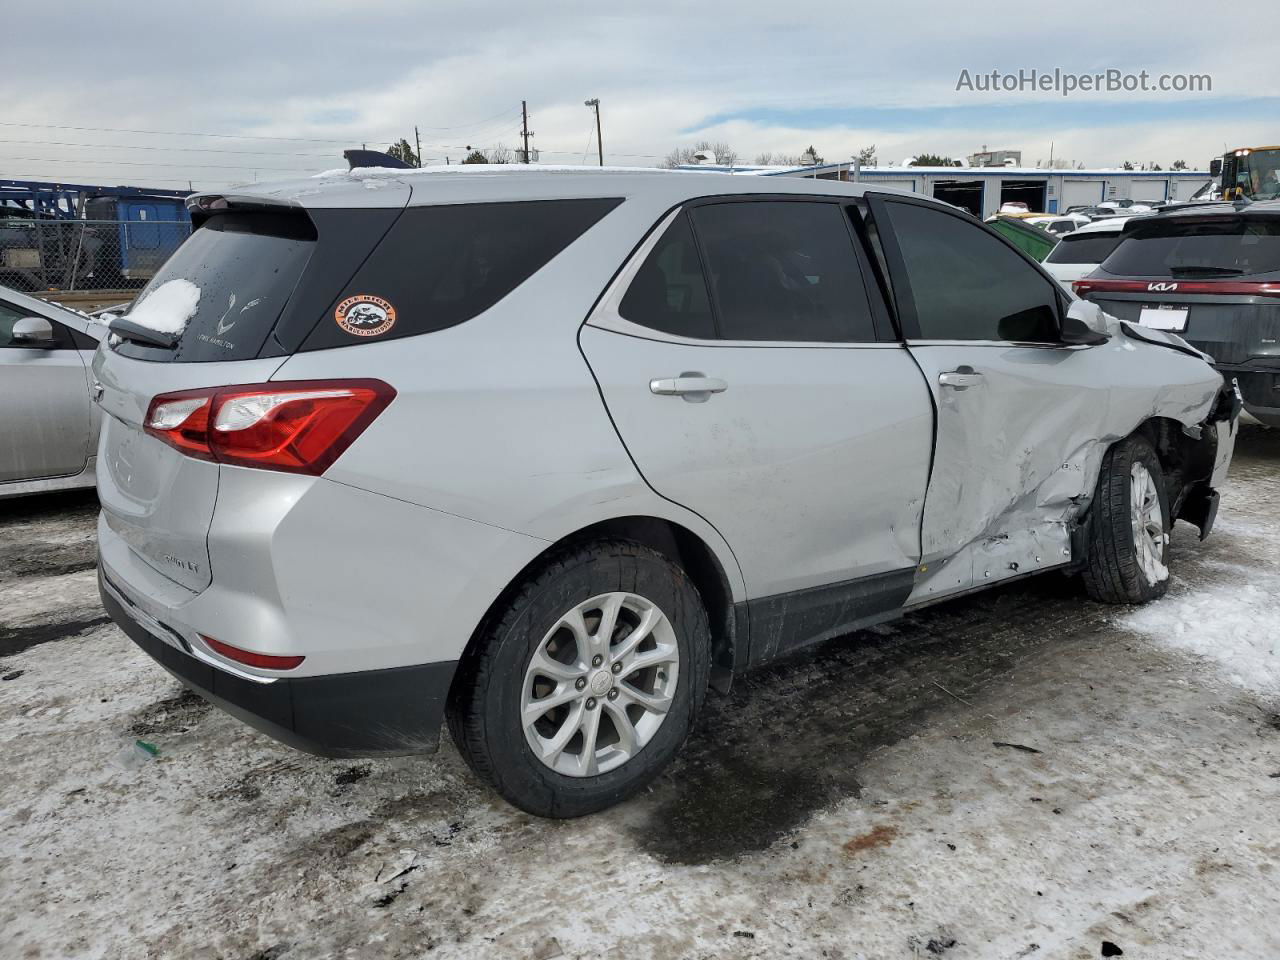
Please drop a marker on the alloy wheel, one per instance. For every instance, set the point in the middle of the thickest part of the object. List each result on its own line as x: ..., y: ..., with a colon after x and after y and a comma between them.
x: 599, y: 684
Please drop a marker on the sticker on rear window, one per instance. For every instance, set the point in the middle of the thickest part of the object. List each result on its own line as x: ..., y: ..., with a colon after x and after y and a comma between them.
x: 365, y: 315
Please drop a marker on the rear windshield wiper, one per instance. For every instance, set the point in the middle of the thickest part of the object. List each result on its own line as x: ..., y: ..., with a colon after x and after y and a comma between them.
x: 126, y: 329
x: 1205, y: 271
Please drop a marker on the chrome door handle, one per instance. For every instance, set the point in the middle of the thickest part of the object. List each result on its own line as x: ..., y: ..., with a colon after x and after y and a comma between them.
x: 961, y: 379
x: 691, y: 386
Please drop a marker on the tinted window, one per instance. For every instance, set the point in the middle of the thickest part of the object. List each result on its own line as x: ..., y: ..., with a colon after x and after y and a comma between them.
x: 245, y: 267
x: 783, y: 270
x: 967, y: 284
x: 1198, y: 248
x: 1084, y: 248
x: 441, y: 265
x: 669, y: 292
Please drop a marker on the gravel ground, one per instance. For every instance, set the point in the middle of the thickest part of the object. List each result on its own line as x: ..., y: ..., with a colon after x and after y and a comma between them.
x: 1019, y: 774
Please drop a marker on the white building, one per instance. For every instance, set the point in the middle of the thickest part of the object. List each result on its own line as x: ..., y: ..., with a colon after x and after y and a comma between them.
x: 981, y: 190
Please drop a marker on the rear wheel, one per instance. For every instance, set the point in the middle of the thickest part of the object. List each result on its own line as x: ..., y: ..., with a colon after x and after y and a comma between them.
x: 1128, y: 527
x: 586, y: 682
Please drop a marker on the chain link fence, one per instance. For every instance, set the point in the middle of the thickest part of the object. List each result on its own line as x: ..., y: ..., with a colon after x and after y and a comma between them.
x: 74, y: 255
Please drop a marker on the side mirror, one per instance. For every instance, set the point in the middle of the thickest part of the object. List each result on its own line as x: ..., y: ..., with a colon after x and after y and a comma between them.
x: 34, y: 332
x: 1085, y: 324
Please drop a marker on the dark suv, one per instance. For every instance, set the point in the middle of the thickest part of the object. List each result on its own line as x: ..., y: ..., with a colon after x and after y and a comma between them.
x: 1211, y: 273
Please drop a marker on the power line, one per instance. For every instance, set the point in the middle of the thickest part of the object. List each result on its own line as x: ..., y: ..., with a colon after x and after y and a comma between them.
x: 131, y: 146
x: 146, y: 163
x: 175, y: 133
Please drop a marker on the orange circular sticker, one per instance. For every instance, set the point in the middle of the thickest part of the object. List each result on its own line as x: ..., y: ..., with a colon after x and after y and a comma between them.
x: 365, y: 315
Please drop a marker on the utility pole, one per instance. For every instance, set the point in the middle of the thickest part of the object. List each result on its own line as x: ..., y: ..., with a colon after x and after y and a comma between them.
x: 524, y: 129
x: 418, y: 142
x: 594, y: 103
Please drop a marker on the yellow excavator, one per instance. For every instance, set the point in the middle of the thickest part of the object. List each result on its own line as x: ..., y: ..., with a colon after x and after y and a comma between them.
x: 1251, y: 172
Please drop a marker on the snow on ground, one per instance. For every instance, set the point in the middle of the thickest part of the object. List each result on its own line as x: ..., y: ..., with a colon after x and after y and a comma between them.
x: 1019, y: 774
x: 168, y: 308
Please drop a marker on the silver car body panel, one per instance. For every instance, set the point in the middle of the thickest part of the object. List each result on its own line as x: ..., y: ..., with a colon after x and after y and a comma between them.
x: 48, y: 423
x: 498, y: 445
x: 1018, y: 453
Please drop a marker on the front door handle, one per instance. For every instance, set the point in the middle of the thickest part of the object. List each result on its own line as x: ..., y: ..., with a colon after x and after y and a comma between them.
x: 693, y: 386
x: 961, y: 378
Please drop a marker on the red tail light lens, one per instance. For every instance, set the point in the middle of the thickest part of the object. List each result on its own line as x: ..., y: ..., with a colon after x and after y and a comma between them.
x: 265, y: 660
x: 299, y: 426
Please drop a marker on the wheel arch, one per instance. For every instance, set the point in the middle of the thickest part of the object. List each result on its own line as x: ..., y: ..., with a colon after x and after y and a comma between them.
x: 680, y: 545
x: 1186, y: 458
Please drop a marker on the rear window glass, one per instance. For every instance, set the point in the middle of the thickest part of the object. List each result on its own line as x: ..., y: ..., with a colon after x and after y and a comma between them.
x: 442, y: 265
x: 1198, y: 248
x: 1084, y: 248
x: 225, y: 287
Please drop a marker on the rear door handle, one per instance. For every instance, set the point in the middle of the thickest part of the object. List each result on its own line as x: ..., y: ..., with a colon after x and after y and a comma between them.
x: 694, y: 387
x: 962, y: 378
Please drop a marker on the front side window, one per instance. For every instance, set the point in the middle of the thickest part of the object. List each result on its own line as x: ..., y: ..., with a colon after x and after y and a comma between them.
x: 783, y: 270
x: 967, y: 284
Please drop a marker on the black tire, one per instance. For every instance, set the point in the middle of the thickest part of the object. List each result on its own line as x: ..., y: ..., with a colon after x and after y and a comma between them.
x: 1113, y: 572
x: 485, y: 703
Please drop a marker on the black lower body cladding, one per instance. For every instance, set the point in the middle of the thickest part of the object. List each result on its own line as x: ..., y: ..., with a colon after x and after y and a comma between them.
x: 372, y: 713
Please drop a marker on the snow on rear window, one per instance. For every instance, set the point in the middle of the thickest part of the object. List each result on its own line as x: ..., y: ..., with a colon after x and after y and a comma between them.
x: 168, y: 308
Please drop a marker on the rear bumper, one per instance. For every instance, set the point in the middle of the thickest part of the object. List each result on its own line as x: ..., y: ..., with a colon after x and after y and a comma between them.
x: 1259, y: 385
x: 387, y: 712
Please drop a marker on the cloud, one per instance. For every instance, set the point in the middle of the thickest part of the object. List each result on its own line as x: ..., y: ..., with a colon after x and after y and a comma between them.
x: 763, y: 75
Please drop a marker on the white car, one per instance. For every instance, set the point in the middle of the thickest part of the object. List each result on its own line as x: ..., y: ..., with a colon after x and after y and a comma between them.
x: 1060, y: 224
x: 48, y: 422
x: 1079, y: 252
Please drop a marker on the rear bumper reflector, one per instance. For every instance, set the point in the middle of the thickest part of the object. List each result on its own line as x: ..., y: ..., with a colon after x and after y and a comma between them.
x: 265, y: 661
x: 367, y: 714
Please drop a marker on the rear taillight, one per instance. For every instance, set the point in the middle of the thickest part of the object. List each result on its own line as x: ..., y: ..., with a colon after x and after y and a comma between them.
x: 267, y: 661
x: 299, y: 426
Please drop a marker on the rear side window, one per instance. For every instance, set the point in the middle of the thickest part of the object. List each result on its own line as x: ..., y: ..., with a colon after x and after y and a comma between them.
x: 1084, y: 248
x: 669, y: 292
x: 967, y: 284
x: 228, y: 283
x: 1226, y: 247
x: 442, y: 265
x: 783, y: 270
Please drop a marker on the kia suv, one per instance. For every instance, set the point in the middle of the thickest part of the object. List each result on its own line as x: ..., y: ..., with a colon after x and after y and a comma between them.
x: 1211, y: 274
x: 546, y: 454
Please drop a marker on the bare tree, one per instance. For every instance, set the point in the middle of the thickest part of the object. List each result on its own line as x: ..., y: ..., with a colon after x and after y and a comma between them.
x: 720, y: 152
x: 500, y: 153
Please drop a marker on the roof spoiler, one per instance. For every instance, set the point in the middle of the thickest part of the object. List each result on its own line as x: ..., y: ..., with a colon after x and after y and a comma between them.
x: 373, y: 158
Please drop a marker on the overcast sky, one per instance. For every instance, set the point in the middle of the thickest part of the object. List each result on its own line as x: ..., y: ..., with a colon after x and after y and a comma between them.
x: 762, y: 76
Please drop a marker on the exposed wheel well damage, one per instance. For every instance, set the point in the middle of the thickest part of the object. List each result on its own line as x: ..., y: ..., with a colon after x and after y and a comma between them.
x: 1187, y: 457
x: 673, y: 541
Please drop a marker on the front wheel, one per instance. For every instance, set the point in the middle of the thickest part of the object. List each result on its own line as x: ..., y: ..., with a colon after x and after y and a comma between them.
x: 586, y: 681
x: 1128, y: 527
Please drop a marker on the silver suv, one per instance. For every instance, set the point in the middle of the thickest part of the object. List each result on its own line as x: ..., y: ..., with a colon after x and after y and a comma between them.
x: 548, y: 453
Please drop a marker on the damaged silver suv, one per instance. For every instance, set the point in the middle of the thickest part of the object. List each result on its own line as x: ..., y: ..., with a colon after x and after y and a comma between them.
x: 547, y: 454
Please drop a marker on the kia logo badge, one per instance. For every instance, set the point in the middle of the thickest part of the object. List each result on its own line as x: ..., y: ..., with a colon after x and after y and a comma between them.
x: 1161, y: 287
